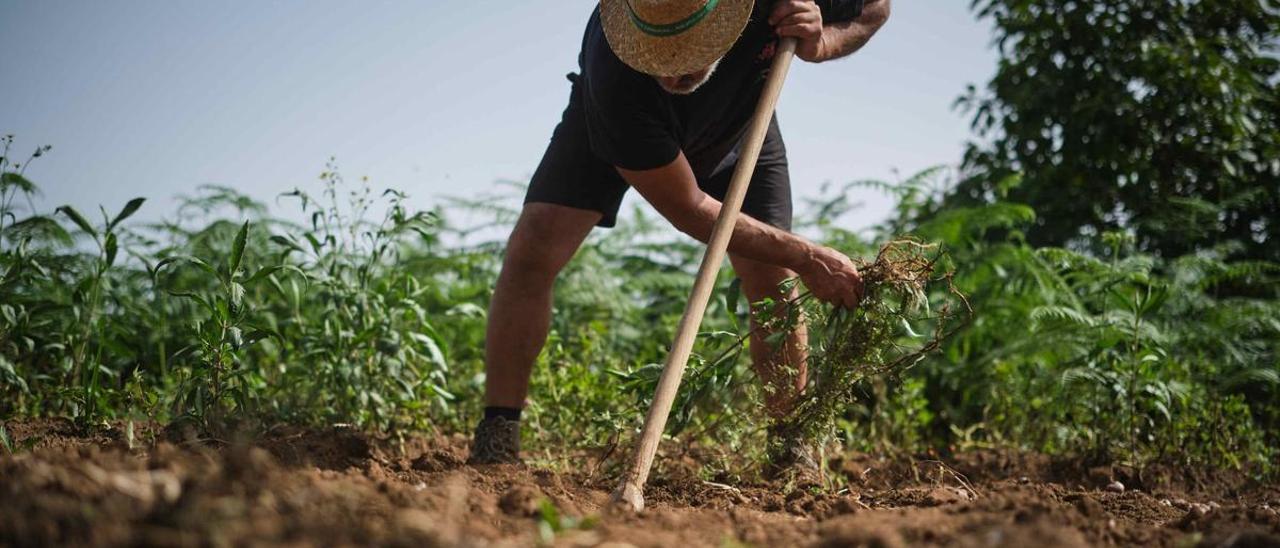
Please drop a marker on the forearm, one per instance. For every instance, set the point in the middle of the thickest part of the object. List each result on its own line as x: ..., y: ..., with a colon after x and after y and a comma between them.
x: 673, y: 191
x: 845, y: 37
x: 751, y: 238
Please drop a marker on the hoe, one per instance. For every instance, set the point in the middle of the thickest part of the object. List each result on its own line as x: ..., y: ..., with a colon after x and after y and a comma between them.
x: 631, y: 492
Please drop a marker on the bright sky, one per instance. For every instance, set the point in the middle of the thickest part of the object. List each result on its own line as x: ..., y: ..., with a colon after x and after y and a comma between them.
x: 154, y: 97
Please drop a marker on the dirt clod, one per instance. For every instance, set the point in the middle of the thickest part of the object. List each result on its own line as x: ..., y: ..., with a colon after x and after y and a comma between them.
x: 948, y: 495
x: 522, y: 500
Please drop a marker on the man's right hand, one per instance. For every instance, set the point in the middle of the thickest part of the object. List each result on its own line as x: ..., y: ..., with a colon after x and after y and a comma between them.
x: 832, y: 277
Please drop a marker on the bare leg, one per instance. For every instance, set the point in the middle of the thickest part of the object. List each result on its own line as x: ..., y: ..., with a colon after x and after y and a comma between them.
x: 542, y: 242
x: 784, y: 371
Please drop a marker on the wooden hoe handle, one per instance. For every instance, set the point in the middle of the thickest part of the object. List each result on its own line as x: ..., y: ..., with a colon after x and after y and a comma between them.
x: 631, y: 491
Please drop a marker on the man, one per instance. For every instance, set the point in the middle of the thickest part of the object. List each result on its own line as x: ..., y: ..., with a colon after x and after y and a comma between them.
x: 663, y: 99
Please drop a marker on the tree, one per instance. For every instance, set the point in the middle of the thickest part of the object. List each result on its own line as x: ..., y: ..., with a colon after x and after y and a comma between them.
x: 1159, y: 117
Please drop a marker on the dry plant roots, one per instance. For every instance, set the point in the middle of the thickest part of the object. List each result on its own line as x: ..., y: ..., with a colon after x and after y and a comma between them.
x: 908, y: 310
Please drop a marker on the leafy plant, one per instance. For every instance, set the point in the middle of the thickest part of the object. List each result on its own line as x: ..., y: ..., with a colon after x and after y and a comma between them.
x: 372, y: 314
x: 218, y: 380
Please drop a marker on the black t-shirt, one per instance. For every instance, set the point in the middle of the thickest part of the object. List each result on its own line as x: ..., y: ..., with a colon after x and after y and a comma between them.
x: 634, y: 124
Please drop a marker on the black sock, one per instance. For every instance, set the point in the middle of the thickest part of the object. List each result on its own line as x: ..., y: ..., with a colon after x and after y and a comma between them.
x: 509, y: 413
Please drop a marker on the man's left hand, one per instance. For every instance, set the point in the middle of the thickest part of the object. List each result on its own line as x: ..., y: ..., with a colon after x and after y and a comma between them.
x: 802, y: 20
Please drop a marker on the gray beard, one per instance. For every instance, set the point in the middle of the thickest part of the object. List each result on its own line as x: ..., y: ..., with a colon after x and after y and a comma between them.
x: 695, y: 86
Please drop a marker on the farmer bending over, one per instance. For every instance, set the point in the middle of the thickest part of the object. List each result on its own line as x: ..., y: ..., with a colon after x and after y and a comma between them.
x: 663, y: 99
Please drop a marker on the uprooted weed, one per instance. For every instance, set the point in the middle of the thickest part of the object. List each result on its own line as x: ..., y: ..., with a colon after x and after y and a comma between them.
x: 908, y: 309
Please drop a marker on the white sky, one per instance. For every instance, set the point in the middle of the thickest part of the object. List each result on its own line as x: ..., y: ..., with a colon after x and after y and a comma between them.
x: 152, y: 98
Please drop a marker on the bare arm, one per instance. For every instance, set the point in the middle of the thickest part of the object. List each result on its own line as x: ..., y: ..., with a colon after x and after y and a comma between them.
x: 818, y: 42
x: 674, y: 192
x: 844, y: 38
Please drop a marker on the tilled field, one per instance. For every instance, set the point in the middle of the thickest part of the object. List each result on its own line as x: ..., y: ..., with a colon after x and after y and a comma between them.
x: 339, y: 487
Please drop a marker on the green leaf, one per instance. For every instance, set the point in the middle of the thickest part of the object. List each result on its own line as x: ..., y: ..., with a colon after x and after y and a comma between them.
x: 195, y: 297
x: 286, y: 242
x: 316, y: 246
x: 41, y: 227
x: 111, y: 248
x: 10, y: 375
x: 237, y: 249
x: 16, y: 180
x: 549, y: 514
x: 78, y: 219
x: 128, y: 210
x: 1254, y: 377
x: 441, y: 392
x: 910, y: 332
x: 235, y: 293
x: 432, y: 348
x: 1061, y: 314
x: 732, y: 295
x: 198, y: 262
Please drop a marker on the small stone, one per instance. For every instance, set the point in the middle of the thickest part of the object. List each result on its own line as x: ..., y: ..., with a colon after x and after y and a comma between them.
x: 1166, y: 502
x: 1214, y: 505
x: 1197, y: 509
x: 1115, y: 487
x: 1024, y: 480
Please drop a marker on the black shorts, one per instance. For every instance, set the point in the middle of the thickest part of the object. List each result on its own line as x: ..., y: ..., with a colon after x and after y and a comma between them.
x: 571, y: 175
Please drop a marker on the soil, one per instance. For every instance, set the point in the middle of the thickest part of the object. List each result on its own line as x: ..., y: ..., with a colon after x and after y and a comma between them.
x: 333, y: 487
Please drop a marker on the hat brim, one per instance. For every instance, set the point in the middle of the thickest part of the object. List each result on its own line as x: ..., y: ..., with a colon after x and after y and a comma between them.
x: 690, y: 51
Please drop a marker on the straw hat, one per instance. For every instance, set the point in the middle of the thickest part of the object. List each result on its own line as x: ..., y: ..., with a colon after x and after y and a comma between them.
x: 672, y: 37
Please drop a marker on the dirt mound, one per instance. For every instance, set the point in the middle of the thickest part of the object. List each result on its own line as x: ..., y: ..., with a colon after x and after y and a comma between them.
x: 341, y: 487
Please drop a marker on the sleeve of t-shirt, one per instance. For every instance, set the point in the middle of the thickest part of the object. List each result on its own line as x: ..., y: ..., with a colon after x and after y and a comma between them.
x: 625, y: 125
x: 835, y: 11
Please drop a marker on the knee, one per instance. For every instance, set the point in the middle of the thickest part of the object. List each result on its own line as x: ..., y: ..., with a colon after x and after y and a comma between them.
x: 533, y: 258
x: 542, y: 242
x: 530, y: 265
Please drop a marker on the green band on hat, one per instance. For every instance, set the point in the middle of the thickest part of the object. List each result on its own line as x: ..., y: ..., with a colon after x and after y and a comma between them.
x: 670, y: 29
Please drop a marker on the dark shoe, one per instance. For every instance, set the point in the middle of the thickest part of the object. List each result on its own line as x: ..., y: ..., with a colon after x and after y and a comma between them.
x: 496, y: 441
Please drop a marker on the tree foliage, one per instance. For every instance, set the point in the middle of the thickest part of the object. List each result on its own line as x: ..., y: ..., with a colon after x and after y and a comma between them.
x: 1157, y: 117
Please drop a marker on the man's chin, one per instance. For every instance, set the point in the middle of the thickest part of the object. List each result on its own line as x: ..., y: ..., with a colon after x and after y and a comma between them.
x: 680, y: 90
x: 688, y: 84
